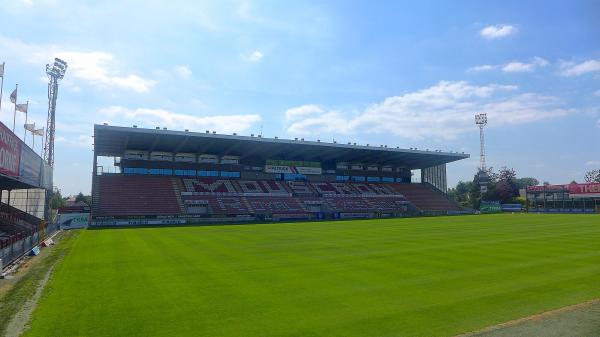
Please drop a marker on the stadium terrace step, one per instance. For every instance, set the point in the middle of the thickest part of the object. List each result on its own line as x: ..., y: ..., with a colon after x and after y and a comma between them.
x: 127, y: 195
x: 136, y: 195
x: 425, y: 198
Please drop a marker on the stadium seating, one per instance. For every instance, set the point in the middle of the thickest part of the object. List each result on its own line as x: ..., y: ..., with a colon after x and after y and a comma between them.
x: 120, y: 195
x: 275, y: 205
x: 228, y: 205
x: 347, y: 188
x: 275, y: 187
x: 425, y: 197
x: 137, y: 195
x: 353, y: 204
x: 391, y: 204
x: 250, y: 186
x: 15, y: 224
x: 301, y: 188
x: 268, y: 187
x: 209, y: 186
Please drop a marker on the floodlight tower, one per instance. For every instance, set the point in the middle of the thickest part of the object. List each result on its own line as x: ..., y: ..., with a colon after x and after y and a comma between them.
x: 481, y: 121
x: 55, y: 72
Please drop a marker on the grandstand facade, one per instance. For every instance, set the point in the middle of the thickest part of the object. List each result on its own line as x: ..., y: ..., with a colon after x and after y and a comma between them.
x: 25, y: 183
x: 568, y: 198
x: 170, y: 177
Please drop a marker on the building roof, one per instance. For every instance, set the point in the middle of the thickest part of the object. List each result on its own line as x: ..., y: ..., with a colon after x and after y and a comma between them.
x: 112, y: 141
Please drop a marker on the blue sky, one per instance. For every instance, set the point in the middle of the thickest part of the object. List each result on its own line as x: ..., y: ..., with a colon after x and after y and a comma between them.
x: 396, y: 73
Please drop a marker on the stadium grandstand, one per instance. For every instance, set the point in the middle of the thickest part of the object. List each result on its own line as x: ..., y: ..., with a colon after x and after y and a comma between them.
x: 25, y: 183
x: 171, y: 177
x: 568, y: 198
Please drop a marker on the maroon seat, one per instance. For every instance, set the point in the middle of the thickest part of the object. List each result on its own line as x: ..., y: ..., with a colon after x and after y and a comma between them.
x: 425, y: 197
x: 275, y: 205
x: 121, y: 195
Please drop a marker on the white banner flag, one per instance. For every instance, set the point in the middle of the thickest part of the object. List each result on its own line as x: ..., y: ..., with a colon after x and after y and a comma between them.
x: 22, y: 107
x: 39, y: 132
x: 13, y: 96
x: 30, y: 127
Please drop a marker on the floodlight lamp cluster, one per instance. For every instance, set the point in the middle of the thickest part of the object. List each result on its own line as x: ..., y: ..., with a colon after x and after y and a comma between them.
x: 481, y: 119
x: 57, y: 69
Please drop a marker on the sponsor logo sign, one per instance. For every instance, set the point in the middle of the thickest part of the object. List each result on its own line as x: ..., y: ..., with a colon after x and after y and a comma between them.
x: 584, y: 190
x: 490, y: 207
x: 546, y: 188
x: 10, y: 152
x: 73, y: 220
x: 30, y: 166
x: 292, y: 169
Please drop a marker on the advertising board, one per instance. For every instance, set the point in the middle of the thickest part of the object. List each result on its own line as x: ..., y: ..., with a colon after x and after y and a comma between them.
x: 10, y: 152
x: 588, y: 190
x: 73, y: 220
x: 490, y: 207
x: 292, y: 169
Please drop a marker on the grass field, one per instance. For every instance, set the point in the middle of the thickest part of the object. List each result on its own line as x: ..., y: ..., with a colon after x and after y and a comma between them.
x: 398, y: 277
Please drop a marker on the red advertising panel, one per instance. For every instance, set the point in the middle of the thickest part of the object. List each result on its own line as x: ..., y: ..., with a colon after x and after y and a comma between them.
x: 10, y: 152
x: 546, y: 188
x: 584, y: 190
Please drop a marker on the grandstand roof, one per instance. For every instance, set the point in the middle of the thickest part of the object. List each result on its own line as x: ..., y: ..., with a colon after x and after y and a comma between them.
x: 112, y: 141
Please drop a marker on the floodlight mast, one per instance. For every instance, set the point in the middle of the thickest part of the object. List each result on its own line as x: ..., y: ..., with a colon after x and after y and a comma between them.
x: 481, y: 121
x: 55, y: 72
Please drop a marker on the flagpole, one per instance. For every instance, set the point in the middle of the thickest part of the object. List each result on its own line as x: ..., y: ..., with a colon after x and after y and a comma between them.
x: 2, y: 85
x: 15, y: 113
x: 25, y: 133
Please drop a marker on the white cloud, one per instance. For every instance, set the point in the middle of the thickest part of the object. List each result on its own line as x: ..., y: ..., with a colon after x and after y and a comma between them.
x: 574, y: 69
x: 513, y: 67
x: 498, y: 31
x: 93, y: 67
x: 593, y: 163
x: 77, y: 140
x: 183, y: 71
x: 163, y: 118
x: 301, y: 111
x: 443, y: 111
x: 517, y: 67
x: 485, y: 67
x: 540, y: 62
x: 255, y: 56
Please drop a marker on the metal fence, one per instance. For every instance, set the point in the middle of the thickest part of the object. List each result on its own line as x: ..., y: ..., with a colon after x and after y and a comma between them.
x: 14, y: 250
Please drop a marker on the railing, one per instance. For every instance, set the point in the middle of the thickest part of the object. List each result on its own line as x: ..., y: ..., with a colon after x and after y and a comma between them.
x: 23, y: 245
x: 26, y: 233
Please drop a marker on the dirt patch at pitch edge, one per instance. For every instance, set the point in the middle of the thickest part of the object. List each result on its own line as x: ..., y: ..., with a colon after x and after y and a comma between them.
x: 579, y: 320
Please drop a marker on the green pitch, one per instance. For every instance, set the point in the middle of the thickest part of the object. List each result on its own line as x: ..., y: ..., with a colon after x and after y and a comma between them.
x: 397, y: 277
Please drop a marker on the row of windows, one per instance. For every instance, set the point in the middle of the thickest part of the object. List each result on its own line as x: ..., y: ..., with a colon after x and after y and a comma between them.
x: 235, y: 174
x: 230, y: 174
x: 189, y: 173
x: 294, y: 176
x: 369, y: 179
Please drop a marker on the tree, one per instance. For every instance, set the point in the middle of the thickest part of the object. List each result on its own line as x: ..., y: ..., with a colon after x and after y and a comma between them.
x: 475, y: 188
x: 85, y: 198
x: 57, y: 201
x: 460, y: 193
x: 525, y: 182
x: 506, y: 188
x: 592, y: 176
x: 80, y: 197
